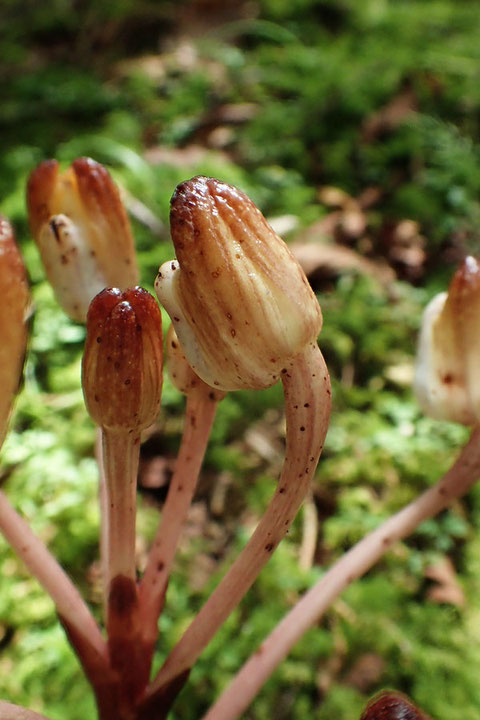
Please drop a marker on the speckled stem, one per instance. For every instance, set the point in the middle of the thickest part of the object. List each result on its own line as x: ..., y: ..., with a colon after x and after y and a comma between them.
x: 307, y: 404
x: 199, y: 416
x: 308, y: 611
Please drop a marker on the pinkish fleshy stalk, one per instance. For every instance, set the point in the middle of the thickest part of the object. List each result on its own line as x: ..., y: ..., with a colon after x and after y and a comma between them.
x: 246, y: 317
x: 122, y: 381
x: 15, y: 712
x: 200, y: 411
x: 355, y: 563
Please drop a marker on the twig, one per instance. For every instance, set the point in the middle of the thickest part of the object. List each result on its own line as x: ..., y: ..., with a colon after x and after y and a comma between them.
x: 247, y: 683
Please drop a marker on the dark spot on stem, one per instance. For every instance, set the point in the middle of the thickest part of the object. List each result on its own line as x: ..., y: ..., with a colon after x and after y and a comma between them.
x: 123, y: 595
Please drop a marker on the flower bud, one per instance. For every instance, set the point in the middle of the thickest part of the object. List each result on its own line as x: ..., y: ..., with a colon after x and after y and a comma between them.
x: 181, y: 374
x: 240, y: 302
x: 13, y: 316
x: 82, y: 231
x: 446, y: 376
x: 392, y: 706
x: 122, y: 362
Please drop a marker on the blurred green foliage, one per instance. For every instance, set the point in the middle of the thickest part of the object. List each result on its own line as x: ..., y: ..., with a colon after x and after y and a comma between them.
x: 310, y: 81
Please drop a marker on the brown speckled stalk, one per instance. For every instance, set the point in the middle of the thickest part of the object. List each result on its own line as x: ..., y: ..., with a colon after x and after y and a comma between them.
x: 357, y: 561
x: 307, y: 404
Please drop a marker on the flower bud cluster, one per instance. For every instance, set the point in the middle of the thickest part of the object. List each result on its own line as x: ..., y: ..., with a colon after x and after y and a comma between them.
x: 446, y: 379
x: 240, y: 302
x: 82, y: 231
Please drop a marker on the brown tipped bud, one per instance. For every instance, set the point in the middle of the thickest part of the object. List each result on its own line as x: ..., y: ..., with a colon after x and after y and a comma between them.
x: 13, y: 315
x: 122, y: 362
x: 240, y: 303
x: 446, y: 378
x: 392, y: 706
x: 82, y: 231
x: 181, y: 374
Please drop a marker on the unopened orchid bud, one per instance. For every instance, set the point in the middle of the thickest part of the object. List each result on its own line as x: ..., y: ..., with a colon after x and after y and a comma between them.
x: 392, y: 706
x: 82, y: 231
x: 446, y: 379
x: 181, y: 374
x: 122, y: 362
x: 13, y: 316
x: 240, y: 302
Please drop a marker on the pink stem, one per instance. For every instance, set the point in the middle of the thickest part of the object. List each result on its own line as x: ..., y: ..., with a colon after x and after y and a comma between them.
x: 120, y: 458
x: 199, y: 416
x: 256, y: 671
x: 15, y: 712
x: 307, y: 403
x: 102, y: 499
x: 41, y: 563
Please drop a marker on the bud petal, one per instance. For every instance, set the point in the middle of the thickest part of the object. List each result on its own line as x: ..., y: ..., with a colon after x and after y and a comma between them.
x: 181, y: 374
x: 446, y: 377
x: 13, y: 315
x: 122, y: 363
x: 392, y: 706
x: 80, y: 225
x: 240, y: 303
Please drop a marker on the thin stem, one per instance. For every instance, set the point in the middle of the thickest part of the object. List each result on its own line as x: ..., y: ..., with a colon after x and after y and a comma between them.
x: 256, y: 671
x: 43, y: 566
x: 120, y: 456
x: 15, y: 712
x: 307, y: 404
x: 199, y: 416
x: 102, y: 500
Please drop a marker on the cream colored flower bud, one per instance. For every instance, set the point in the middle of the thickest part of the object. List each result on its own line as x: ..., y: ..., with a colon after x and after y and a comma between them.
x: 181, y: 374
x: 122, y: 362
x: 14, y: 310
x: 447, y: 380
x: 82, y: 231
x: 240, y: 302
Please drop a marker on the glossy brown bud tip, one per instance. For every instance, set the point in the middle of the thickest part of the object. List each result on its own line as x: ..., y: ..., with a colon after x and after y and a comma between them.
x: 93, y: 246
x: 240, y: 302
x: 122, y: 362
x: 14, y: 310
x: 181, y: 374
x: 392, y: 706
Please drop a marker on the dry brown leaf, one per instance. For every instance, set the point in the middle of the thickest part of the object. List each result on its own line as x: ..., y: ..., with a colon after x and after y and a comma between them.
x: 447, y: 589
x: 335, y: 259
x: 366, y: 672
x: 390, y: 115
